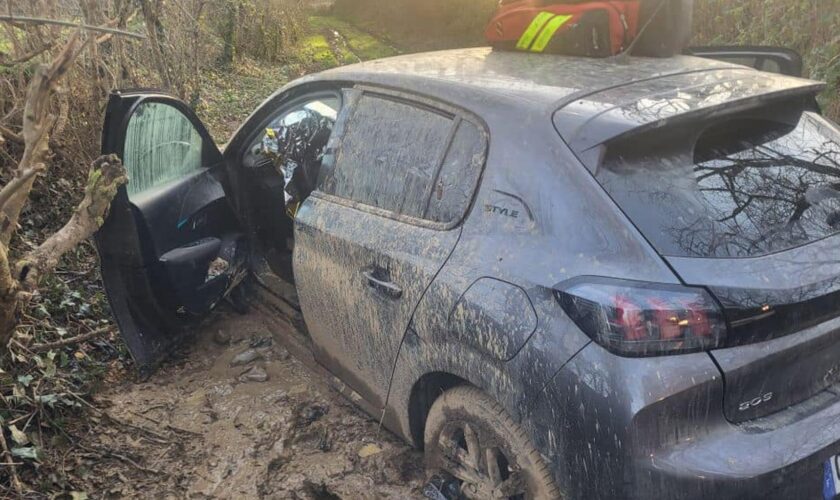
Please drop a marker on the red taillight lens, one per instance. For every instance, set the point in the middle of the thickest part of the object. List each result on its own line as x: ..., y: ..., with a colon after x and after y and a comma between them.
x: 643, y: 319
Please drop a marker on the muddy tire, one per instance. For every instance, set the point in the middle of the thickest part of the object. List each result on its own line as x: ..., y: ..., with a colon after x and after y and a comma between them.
x: 471, y: 438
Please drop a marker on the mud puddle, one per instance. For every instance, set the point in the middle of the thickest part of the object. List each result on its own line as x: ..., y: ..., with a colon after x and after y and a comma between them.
x: 265, y: 426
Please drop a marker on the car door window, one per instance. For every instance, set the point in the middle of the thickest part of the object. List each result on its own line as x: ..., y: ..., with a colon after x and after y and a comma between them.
x: 458, y: 175
x: 161, y: 146
x: 325, y: 108
x: 408, y: 159
x: 294, y: 142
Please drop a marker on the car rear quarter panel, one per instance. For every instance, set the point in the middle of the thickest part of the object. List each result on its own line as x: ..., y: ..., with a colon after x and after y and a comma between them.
x: 538, y: 219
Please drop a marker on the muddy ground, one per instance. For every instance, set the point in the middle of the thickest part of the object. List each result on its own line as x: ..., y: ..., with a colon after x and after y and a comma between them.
x: 202, y: 428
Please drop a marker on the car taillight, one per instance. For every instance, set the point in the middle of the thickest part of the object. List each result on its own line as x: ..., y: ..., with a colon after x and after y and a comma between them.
x: 643, y: 319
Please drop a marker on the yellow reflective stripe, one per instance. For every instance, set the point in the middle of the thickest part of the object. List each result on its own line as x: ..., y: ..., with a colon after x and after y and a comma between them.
x: 532, y: 31
x: 548, y: 32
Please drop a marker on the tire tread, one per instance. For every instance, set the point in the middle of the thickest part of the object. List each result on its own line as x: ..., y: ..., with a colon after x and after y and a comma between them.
x: 472, y: 399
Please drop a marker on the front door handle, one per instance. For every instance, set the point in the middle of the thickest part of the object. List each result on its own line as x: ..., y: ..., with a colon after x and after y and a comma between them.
x: 386, y: 287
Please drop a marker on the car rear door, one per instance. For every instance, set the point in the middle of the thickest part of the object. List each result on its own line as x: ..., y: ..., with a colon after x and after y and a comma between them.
x: 397, y: 177
x: 171, y: 246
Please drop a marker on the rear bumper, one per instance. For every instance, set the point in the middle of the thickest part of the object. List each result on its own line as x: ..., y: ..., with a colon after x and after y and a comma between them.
x: 736, y: 462
x: 654, y: 428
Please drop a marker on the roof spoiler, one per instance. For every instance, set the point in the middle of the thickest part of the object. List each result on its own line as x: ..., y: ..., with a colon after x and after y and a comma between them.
x: 620, y: 112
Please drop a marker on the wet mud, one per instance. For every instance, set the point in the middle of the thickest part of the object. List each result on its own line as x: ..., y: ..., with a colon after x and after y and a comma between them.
x: 236, y: 416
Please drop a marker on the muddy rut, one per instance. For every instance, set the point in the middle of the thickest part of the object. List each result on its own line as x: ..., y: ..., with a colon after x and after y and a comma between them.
x: 238, y: 417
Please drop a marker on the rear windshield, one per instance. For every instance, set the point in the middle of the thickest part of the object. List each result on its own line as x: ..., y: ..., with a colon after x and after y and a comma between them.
x: 739, y: 187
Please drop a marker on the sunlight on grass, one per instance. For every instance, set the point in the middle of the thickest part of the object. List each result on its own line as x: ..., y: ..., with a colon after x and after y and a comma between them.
x: 361, y: 45
x: 317, y: 49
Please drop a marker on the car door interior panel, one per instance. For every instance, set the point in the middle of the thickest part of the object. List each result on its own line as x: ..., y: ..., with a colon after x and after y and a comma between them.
x: 172, y: 238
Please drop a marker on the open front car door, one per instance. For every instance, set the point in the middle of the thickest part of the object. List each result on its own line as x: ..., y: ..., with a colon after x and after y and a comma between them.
x: 171, y: 247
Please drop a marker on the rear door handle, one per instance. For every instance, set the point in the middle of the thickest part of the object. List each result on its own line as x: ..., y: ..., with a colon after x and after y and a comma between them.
x: 386, y: 287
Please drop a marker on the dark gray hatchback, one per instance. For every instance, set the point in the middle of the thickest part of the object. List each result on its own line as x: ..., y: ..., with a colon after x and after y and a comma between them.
x: 562, y: 277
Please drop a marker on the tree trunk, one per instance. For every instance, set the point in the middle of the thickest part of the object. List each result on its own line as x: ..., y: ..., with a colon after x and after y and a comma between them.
x: 106, y: 176
x: 157, y: 37
x: 228, y: 56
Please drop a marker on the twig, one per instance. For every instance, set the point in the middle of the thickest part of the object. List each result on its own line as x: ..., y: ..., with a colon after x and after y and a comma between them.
x: 10, y: 135
x: 118, y: 456
x: 153, y: 407
x: 41, y: 20
x: 28, y: 56
x: 161, y: 438
x: 82, y: 400
x: 164, y: 452
x: 15, y: 478
x: 72, y: 340
x: 184, y: 431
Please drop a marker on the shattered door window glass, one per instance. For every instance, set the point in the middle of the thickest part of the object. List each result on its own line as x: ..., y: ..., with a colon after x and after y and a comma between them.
x: 161, y: 145
x: 390, y: 155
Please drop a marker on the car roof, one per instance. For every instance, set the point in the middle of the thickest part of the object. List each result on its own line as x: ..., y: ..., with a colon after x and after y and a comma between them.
x: 595, y: 99
x: 536, y: 78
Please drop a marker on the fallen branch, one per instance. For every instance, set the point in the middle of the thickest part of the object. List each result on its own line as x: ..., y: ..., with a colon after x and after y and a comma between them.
x: 70, y: 341
x: 9, y: 135
x: 87, y: 27
x: 8, y: 455
x: 21, y: 178
x: 106, y: 175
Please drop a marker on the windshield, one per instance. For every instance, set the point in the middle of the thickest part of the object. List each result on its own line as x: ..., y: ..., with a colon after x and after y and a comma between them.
x: 740, y: 187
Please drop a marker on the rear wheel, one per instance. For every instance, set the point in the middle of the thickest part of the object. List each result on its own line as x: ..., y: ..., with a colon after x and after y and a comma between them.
x: 471, y: 438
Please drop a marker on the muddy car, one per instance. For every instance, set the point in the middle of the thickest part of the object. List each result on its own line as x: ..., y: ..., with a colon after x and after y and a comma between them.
x: 561, y: 277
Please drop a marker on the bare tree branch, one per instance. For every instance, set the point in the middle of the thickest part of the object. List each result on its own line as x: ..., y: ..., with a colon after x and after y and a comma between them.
x: 86, y: 27
x: 106, y: 175
x: 8, y: 135
x: 37, y: 123
x: 21, y: 178
x: 28, y: 56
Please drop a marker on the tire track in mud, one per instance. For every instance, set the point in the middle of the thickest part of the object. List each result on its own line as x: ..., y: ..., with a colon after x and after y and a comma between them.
x: 202, y: 428
x: 338, y: 42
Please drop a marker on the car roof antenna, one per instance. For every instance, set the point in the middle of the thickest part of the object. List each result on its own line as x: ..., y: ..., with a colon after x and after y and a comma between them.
x: 624, y: 54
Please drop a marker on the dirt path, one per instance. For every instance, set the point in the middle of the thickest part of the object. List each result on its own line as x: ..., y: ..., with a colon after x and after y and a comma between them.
x: 199, y: 428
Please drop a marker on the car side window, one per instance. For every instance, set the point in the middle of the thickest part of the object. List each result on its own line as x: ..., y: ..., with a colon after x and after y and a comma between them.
x: 161, y: 145
x: 406, y: 158
x: 459, y: 174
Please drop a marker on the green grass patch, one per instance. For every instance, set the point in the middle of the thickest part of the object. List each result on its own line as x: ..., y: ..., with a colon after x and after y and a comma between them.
x: 317, y: 49
x: 360, y: 45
